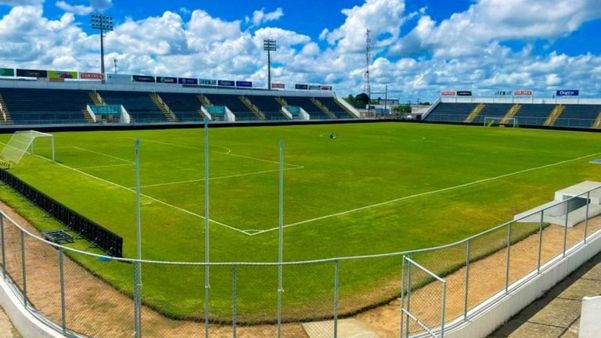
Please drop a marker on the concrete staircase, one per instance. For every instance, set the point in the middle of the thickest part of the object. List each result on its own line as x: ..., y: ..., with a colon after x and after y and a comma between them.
x: 163, y: 107
x: 475, y: 113
x: 281, y: 101
x: 5, y: 117
x: 555, y: 114
x: 344, y: 108
x: 323, y: 108
x: 254, y: 109
x: 204, y: 100
x: 597, y: 124
x: 96, y: 98
x: 87, y: 116
x: 511, y: 113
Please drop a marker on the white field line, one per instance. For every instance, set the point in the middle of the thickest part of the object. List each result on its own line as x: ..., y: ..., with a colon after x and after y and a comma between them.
x: 426, y: 193
x: 228, y: 152
x: 103, y: 154
x: 144, y: 195
x: 217, y: 178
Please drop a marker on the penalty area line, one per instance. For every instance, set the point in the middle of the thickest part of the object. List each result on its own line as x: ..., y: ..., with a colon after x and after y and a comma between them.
x: 375, y: 205
x: 146, y: 196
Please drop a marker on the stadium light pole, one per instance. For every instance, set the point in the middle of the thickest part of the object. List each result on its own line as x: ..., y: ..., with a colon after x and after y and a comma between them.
x: 269, y: 46
x: 102, y: 23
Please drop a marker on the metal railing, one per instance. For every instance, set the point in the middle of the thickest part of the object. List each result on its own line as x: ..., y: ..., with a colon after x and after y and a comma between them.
x: 440, y: 287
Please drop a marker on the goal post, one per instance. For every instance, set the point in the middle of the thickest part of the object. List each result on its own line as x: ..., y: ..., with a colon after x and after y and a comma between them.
x: 500, y: 122
x: 23, y: 142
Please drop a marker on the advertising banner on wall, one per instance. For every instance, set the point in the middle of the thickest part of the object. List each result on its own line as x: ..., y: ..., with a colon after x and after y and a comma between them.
x: 325, y: 87
x: 32, y: 73
x: 522, y: 93
x: 244, y: 84
x: 448, y: 93
x: 503, y: 93
x: 144, y: 78
x: 278, y: 86
x: 90, y: 76
x: 207, y: 82
x: 226, y: 83
x: 60, y: 75
x: 301, y: 86
x: 314, y: 87
x: 187, y: 81
x: 166, y: 79
x: 7, y: 72
x: 568, y: 92
x: 464, y: 93
x: 118, y: 78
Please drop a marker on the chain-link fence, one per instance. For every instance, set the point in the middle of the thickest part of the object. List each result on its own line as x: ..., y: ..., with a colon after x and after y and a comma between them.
x: 419, y: 292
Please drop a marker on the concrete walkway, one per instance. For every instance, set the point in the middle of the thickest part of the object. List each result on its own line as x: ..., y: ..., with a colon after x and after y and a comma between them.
x: 557, y: 314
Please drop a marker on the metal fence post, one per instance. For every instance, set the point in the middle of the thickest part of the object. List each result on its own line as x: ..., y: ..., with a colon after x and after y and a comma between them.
x: 23, y: 269
x: 336, y: 287
x: 402, y: 322
x: 408, y: 307
x: 507, y: 258
x: 234, y: 300
x: 467, y: 278
x: 61, y: 264
x: 588, y: 203
x: 540, y: 240
x: 565, y: 229
x: 3, y: 248
x: 444, y: 305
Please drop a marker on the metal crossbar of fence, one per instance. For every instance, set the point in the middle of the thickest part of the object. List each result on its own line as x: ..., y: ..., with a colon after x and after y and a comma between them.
x: 440, y: 287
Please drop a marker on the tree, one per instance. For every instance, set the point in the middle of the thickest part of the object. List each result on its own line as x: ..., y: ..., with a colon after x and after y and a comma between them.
x: 361, y: 100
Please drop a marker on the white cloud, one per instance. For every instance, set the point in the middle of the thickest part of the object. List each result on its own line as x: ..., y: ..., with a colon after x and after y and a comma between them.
x: 489, y: 21
x: 202, y: 45
x: 75, y: 9
x: 382, y: 17
x: 260, y: 17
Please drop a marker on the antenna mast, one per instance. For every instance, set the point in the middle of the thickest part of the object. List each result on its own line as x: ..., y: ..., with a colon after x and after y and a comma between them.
x: 366, y: 84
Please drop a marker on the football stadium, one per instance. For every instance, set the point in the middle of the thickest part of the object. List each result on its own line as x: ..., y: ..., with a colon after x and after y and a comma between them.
x: 138, y: 204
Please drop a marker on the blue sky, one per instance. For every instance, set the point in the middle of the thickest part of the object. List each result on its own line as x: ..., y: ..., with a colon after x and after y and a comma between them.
x: 420, y: 47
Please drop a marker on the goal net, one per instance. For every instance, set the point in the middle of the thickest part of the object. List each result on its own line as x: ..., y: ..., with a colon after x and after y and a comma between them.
x: 23, y: 142
x: 500, y: 122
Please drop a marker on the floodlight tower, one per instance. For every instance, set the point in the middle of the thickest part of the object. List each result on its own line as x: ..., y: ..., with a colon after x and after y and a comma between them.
x: 269, y: 46
x: 102, y: 23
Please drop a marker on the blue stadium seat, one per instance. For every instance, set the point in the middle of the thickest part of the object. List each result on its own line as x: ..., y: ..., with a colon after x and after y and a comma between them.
x: 138, y: 104
x: 45, y: 106
x: 234, y: 104
x: 184, y: 106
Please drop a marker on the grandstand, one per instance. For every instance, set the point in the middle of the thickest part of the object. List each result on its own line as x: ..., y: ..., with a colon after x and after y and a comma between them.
x: 73, y: 102
x: 560, y: 113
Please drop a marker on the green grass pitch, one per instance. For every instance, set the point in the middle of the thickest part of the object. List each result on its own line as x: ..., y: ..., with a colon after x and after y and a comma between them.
x: 375, y: 188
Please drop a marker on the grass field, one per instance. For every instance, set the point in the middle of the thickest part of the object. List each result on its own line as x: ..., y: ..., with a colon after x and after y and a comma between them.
x: 376, y: 188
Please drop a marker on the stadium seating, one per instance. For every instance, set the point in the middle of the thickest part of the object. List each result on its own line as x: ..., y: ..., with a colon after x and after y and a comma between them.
x: 331, y: 104
x: 534, y: 114
x: 451, y: 112
x: 308, y: 106
x: 138, y: 104
x: 493, y: 110
x: 268, y: 106
x: 184, y: 106
x: 234, y: 104
x: 45, y: 106
x: 578, y: 116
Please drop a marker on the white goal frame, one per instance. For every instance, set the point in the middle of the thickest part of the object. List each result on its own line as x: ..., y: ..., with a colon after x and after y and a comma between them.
x: 22, y: 142
x: 499, y: 121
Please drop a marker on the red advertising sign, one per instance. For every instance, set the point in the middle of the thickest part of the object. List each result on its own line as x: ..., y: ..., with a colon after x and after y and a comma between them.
x: 278, y: 86
x: 522, y: 93
x: 326, y: 87
x: 448, y: 93
x: 90, y: 76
